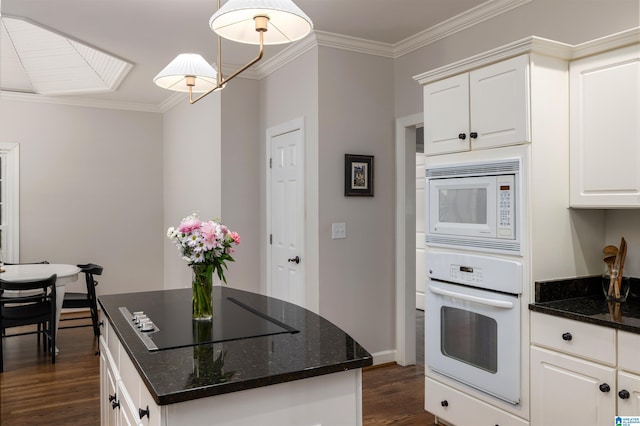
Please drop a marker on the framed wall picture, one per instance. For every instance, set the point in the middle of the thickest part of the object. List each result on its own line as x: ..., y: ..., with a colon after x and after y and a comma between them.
x: 358, y: 175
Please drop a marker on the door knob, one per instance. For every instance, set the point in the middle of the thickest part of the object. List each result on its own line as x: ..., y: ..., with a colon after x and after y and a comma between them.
x: 295, y: 260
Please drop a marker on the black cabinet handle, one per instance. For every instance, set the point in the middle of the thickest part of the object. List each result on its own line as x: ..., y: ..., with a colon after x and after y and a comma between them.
x: 624, y: 394
x: 112, y: 397
x: 143, y: 413
x: 115, y: 404
x: 604, y: 388
x: 444, y: 403
x: 295, y: 260
x: 473, y: 135
x: 101, y: 324
x: 567, y: 337
x: 462, y: 136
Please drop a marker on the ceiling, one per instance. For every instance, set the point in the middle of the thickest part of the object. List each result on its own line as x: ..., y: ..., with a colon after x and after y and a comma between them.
x: 150, y: 33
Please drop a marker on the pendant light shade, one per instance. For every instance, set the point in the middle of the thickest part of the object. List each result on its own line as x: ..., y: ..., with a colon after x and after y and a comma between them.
x: 286, y: 21
x: 188, y: 72
x: 258, y: 22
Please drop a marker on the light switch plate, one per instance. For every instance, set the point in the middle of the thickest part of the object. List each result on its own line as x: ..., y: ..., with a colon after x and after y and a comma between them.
x: 338, y: 230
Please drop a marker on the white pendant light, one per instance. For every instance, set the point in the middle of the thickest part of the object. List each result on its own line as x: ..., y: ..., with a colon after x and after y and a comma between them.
x: 286, y: 21
x: 187, y: 72
x: 258, y: 22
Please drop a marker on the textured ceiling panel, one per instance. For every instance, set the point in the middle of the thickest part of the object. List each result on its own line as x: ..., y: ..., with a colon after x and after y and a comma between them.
x: 39, y: 60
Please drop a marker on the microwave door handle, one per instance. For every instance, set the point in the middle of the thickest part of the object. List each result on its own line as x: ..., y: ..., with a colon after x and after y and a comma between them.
x: 481, y: 300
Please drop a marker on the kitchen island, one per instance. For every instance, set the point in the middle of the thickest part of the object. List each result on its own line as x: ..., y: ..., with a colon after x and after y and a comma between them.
x: 260, y: 361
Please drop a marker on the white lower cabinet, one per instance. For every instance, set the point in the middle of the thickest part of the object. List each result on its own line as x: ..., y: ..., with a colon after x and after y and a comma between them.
x: 124, y: 399
x: 582, y: 374
x: 628, y: 394
x: 570, y: 391
x: 457, y: 408
x: 108, y: 393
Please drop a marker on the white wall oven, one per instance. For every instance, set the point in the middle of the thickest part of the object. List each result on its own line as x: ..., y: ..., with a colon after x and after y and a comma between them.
x: 472, y: 322
x: 474, y: 205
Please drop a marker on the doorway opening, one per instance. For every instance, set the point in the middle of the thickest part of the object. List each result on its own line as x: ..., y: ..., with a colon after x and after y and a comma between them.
x: 407, y: 135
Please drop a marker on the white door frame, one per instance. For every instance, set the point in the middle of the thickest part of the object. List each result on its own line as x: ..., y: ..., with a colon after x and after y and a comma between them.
x: 405, y: 239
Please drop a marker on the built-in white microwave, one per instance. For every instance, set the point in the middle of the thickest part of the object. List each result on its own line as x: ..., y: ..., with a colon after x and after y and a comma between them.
x: 474, y: 205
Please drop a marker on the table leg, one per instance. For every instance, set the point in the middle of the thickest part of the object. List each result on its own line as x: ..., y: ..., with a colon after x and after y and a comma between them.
x: 59, y: 299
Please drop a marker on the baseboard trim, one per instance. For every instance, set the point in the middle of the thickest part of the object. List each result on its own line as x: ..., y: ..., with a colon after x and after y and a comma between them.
x: 384, y: 357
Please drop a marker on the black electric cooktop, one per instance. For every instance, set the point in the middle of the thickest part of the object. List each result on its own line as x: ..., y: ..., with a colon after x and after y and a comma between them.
x: 173, y: 326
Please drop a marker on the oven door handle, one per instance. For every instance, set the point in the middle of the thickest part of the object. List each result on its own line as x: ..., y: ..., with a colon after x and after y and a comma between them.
x: 481, y: 300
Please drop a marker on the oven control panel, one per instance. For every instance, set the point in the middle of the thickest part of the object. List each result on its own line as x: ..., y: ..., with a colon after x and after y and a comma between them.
x: 466, y: 274
x: 485, y: 272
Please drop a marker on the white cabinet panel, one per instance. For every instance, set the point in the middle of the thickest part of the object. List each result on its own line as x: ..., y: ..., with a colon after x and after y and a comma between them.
x: 574, y: 337
x: 629, y: 352
x: 499, y: 99
x: 570, y: 391
x: 605, y: 130
x: 446, y: 112
x: 629, y: 402
x: 484, y: 108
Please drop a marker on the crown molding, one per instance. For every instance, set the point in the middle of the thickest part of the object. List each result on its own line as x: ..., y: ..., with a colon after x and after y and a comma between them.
x: 354, y: 44
x: 519, y: 47
x: 537, y: 45
x: 286, y: 55
x: 613, y: 41
x: 478, y: 14
x: 81, y: 102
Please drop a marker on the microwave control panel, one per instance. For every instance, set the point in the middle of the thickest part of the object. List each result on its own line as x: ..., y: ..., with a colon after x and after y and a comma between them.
x: 506, y: 204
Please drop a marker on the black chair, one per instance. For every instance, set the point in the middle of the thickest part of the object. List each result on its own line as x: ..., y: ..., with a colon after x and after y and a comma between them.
x: 85, y: 300
x: 37, y: 309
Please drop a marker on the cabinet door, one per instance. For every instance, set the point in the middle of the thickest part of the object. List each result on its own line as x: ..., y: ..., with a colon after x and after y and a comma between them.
x: 152, y: 413
x: 128, y: 411
x: 109, y: 395
x: 446, y: 115
x: 570, y: 391
x: 605, y: 131
x: 499, y: 95
x: 628, y: 394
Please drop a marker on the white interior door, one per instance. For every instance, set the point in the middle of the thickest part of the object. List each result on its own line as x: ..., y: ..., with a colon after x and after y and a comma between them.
x: 287, y: 216
x: 421, y: 272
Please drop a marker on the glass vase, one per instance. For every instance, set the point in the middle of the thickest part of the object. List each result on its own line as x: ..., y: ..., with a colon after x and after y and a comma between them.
x: 202, y: 291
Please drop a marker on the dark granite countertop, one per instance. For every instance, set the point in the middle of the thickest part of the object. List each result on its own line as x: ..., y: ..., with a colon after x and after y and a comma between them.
x: 582, y: 299
x: 185, y: 373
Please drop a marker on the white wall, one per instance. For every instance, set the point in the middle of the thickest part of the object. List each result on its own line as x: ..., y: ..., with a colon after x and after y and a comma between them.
x: 90, y: 189
x: 192, y: 175
x: 288, y: 93
x: 357, y: 273
x: 241, y: 180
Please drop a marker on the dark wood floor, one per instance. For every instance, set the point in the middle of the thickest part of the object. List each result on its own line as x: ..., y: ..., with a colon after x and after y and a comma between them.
x: 35, y: 392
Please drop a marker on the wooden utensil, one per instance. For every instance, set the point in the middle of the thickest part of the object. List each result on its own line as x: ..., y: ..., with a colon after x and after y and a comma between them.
x: 622, y: 255
x: 610, y: 255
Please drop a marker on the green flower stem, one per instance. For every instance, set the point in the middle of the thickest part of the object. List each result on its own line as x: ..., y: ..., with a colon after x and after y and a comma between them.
x: 202, y: 288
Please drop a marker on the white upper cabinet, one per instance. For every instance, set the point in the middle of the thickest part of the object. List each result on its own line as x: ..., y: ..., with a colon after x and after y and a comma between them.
x: 605, y: 129
x: 485, y: 108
